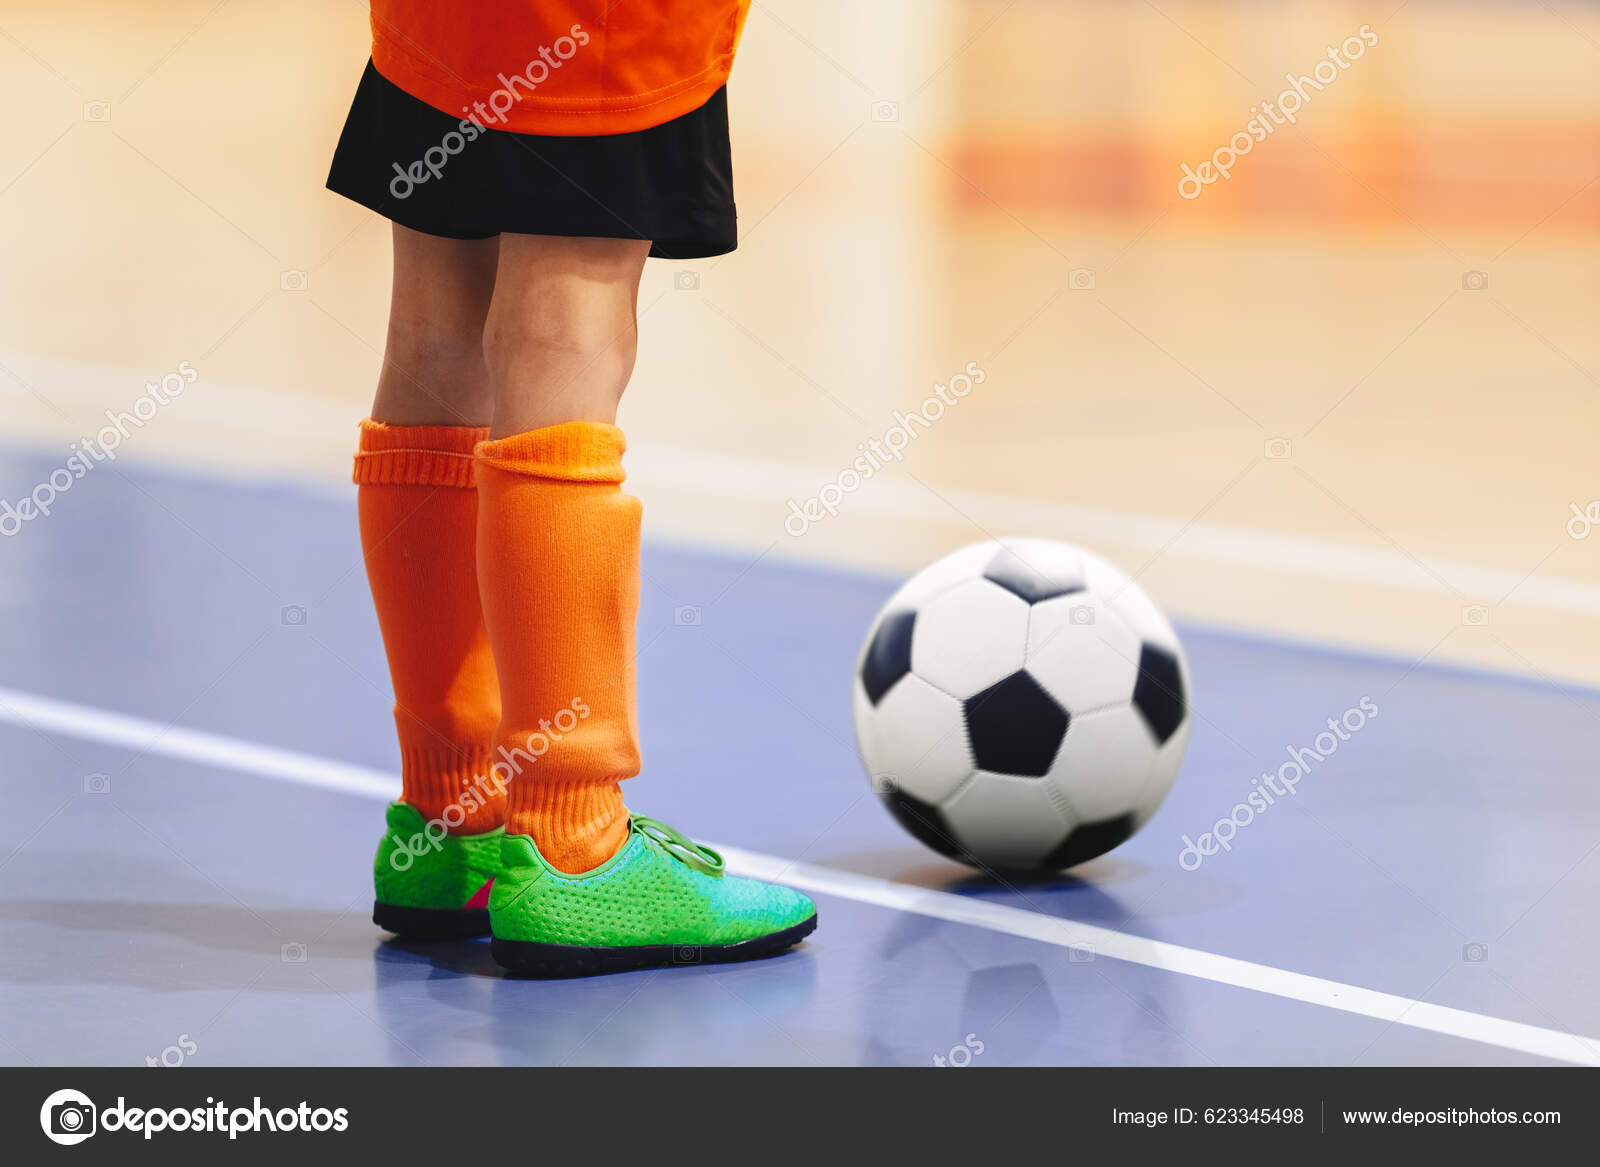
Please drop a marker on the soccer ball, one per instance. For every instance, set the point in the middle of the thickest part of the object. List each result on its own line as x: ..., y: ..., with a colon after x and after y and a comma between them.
x: 1021, y: 705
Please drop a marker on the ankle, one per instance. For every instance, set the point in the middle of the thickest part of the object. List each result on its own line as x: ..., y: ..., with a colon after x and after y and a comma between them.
x: 576, y: 826
x: 453, y: 787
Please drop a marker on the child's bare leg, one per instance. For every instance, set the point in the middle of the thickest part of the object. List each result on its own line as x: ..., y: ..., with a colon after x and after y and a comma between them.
x: 433, y: 365
x: 561, y: 336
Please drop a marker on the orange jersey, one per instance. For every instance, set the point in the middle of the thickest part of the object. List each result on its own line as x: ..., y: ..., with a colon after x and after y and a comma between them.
x: 567, y: 67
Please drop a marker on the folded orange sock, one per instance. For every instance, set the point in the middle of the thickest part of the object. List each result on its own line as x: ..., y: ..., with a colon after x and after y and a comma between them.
x: 419, y: 512
x: 558, y: 569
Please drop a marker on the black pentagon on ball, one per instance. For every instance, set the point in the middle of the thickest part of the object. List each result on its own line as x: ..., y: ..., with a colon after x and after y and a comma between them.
x: 923, y: 821
x: 889, y: 654
x: 1017, y: 576
x: 1158, y: 694
x: 1015, y: 727
x: 1088, y: 840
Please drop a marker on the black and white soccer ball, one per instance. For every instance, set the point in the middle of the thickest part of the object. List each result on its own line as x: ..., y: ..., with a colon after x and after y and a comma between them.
x: 1021, y: 705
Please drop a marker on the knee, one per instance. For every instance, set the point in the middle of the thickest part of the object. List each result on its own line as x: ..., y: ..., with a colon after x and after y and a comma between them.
x: 433, y: 374
x: 598, y: 346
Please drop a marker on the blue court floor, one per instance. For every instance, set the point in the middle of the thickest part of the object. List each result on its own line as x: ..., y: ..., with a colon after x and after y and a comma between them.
x: 170, y: 889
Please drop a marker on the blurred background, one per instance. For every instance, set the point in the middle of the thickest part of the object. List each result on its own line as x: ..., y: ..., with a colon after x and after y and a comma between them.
x: 1346, y: 394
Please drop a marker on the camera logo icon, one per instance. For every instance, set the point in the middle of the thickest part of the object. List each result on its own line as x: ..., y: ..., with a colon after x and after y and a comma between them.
x: 1474, y: 281
x: 1475, y: 615
x: 294, y: 616
x: 686, y: 954
x: 97, y: 111
x: 292, y: 281
x: 885, y: 111
x: 1277, y: 449
x: 68, y: 1117
x: 1082, y: 614
x: 1081, y: 279
x: 1475, y: 952
x: 686, y: 281
x: 686, y: 616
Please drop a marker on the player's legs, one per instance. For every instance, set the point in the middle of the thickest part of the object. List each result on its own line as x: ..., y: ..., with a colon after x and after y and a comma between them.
x: 418, y: 511
x: 562, y: 332
x: 558, y: 540
x: 433, y: 367
x: 583, y: 886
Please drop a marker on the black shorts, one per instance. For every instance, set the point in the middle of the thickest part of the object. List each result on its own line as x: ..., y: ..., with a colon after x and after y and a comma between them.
x: 671, y: 184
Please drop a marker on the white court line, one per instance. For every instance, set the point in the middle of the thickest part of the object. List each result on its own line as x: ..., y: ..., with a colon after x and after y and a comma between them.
x: 136, y: 733
x: 191, y: 745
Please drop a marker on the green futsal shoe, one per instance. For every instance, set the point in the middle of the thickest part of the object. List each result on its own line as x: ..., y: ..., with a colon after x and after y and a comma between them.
x: 660, y: 900
x: 430, y: 885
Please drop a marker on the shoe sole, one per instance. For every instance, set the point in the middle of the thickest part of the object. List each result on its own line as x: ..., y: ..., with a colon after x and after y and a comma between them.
x: 533, y: 959
x: 431, y: 923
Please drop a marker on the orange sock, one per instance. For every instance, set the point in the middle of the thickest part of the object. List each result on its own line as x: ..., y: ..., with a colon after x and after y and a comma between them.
x: 419, y: 518
x: 558, y: 568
